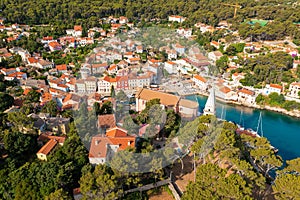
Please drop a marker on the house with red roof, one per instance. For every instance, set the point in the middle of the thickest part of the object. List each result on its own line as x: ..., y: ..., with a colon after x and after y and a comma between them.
x: 105, y: 84
x: 99, y: 68
x: 270, y: 88
x: 9, y: 71
x: 179, y: 48
x: 294, y: 90
x: 16, y: 76
x: 103, y: 148
x: 106, y: 122
x: 224, y: 92
x: 176, y: 18
x: 171, y: 67
x: 54, y: 46
x: 215, y: 55
x: 113, y: 68
x: 123, y: 20
x: 122, y: 83
x: 45, y: 151
x: 246, y: 96
x: 61, y: 68
x: 76, y: 31
x: 134, y: 61
x: 200, y: 82
x: 47, y: 40
x: 71, y: 101
x: 215, y: 44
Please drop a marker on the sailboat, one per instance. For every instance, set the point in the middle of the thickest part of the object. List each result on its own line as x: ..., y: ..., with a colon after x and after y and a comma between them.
x: 223, y: 113
x: 259, y: 125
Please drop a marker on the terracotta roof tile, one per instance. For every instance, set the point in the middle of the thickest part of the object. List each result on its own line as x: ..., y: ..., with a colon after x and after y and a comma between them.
x: 225, y: 89
x: 61, y: 67
x: 200, y: 78
x: 245, y: 91
x: 276, y: 86
x: 116, y: 132
x: 165, y: 98
x: 47, y: 148
x: 107, y: 120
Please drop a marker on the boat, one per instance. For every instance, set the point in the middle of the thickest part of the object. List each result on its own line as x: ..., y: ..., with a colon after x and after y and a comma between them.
x: 241, y: 130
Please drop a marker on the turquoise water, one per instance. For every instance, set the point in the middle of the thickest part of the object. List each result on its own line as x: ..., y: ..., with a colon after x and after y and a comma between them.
x: 282, y: 131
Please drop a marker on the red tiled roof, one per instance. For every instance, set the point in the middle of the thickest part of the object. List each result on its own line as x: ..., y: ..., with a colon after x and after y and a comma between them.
x: 26, y: 91
x: 245, y: 91
x: 176, y: 16
x: 123, y: 142
x: 134, y: 59
x: 47, y: 148
x: 110, y: 79
x: 276, y: 86
x: 171, y: 63
x: 112, y: 67
x: 98, y: 147
x: 48, y: 38
x: 99, y: 65
x: 200, y: 78
x: 107, y: 120
x: 46, y: 97
x: 99, y: 144
x: 165, y: 98
x: 54, y: 44
x: 32, y: 60
x: 296, y: 84
x: 45, y: 137
x: 77, y: 28
x: 225, y: 89
x: 116, y: 132
x: 61, y: 67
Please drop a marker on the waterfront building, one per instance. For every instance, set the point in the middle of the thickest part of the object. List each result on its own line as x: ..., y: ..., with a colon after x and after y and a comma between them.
x: 246, y: 96
x: 294, y: 89
x: 270, y: 88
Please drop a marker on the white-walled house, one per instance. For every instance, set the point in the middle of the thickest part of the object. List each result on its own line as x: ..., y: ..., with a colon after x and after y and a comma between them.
x: 172, y: 54
x: 176, y: 18
x: 294, y: 89
x: 246, y: 96
x: 103, y: 148
x: 215, y: 55
x: 200, y: 82
x: 270, y: 88
x: 171, y: 67
x: 185, y: 32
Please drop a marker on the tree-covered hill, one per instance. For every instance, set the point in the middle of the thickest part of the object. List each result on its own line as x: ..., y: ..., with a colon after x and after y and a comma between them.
x: 89, y: 11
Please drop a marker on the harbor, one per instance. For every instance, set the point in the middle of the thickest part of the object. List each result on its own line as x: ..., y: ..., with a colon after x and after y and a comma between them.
x: 282, y: 131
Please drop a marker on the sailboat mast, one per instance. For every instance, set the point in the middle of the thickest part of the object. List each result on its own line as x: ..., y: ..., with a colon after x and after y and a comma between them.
x: 261, y: 128
x: 259, y: 123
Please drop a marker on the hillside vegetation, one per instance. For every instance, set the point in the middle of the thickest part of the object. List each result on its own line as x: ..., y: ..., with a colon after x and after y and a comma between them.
x: 207, y: 11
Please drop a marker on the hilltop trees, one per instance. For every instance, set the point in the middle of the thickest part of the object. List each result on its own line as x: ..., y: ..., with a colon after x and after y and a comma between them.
x: 269, y: 68
x: 6, y: 101
x: 102, y: 183
x: 213, y: 182
x: 28, y: 178
x: 287, y: 183
x: 64, y: 14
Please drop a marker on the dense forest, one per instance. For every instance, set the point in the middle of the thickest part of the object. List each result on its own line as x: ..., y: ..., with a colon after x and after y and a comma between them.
x: 89, y: 12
